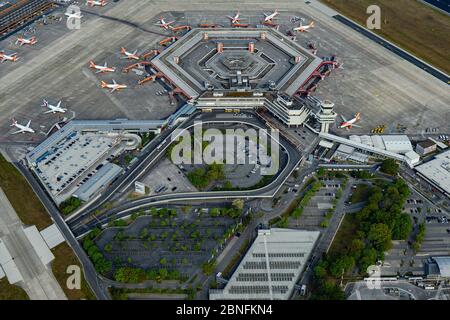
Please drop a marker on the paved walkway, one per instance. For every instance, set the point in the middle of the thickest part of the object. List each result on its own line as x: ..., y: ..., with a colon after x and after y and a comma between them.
x: 38, y: 280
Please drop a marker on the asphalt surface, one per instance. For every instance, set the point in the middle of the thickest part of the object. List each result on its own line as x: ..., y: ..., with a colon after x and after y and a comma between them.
x: 80, y: 226
x: 95, y: 283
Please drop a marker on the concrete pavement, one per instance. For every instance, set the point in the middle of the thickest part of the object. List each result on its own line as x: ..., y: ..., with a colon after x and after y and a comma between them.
x: 38, y: 280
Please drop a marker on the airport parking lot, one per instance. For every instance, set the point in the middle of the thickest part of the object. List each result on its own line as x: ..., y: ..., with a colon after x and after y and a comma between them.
x: 184, y: 241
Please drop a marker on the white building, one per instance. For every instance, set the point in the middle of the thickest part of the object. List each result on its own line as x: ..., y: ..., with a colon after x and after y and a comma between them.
x: 271, y: 267
x: 437, y: 171
x: 397, y: 143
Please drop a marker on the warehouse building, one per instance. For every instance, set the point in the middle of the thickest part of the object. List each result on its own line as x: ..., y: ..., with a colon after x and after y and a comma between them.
x: 271, y: 267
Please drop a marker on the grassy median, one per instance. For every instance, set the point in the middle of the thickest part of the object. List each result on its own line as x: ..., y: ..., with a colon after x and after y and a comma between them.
x: 64, y: 257
x: 27, y: 205
x: 11, y: 291
x: 412, y: 25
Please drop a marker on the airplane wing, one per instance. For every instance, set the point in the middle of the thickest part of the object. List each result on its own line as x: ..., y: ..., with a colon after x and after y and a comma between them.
x: 355, y: 125
x: 19, y: 131
x: 49, y: 111
x: 28, y: 124
x: 343, y: 118
x: 114, y: 81
x: 113, y: 89
x: 99, y: 71
x: 59, y: 104
x: 106, y: 65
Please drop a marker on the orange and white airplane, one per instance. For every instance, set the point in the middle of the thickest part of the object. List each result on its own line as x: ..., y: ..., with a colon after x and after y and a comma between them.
x: 101, y: 69
x: 8, y: 57
x: 22, y: 128
x: 163, y: 24
x: 303, y: 28
x: 21, y: 41
x: 270, y: 17
x: 93, y: 3
x: 348, y: 124
x: 129, y: 55
x: 113, y: 86
x: 235, y: 19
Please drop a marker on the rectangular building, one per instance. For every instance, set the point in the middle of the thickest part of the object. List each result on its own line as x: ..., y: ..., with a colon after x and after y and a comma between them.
x: 271, y: 267
x: 437, y: 172
x: 425, y: 147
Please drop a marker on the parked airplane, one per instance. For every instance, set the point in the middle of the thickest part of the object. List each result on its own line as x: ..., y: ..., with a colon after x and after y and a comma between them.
x: 8, y: 57
x: 270, y: 17
x: 303, y: 28
x: 31, y: 41
x: 93, y: 3
x: 113, y: 86
x: 53, y: 109
x: 76, y: 15
x: 129, y: 55
x: 163, y: 24
x: 22, y: 128
x: 101, y: 69
x: 235, y: 19
x: 350, y: 123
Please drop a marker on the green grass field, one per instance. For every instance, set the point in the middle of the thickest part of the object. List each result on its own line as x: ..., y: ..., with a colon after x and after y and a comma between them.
x: 11, y: 292
x: 28, y: 207
x: 360, y: 193
x: 412, y: 25
x: 64, y: 256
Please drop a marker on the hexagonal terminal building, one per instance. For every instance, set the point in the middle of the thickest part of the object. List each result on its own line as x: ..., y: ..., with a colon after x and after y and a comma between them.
x: 242, y: 68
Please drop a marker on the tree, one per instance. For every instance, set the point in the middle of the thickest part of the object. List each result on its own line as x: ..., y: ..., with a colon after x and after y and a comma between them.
x: 389, y: 166
x: 402, y: 227
x: 238, y: 204
x: 380, y: 236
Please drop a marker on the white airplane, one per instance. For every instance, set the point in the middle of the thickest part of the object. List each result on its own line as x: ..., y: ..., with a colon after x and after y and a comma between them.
x: 22, y: 128
x: 234, y: 19
x: 129, y: 55
x: 76, y: 15
x: 53, y: 109
x: 163, y: 24
x: 303, y: 28
x: 11, y: 57
x: 31, y: 41
x: 270, y: 17
x: 93, y: 3
x: 113, y: 86
x: 350, y: 123
x: 101, y: 69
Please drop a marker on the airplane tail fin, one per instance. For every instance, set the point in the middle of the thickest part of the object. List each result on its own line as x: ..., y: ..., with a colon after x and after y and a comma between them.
x: 123, y: 50
x: 91, y: 64
x: 311, y: 24
x: 104, y: 84
x: 44, y: 103
x: 14, y: 58
x: 14, y: 122
x: 358, y: 116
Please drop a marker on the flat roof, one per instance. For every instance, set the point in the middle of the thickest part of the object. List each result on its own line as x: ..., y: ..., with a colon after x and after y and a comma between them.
x: 437, y: 170
x: 103, y: 176
x: 276, y: 258
x: 298, y: 73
